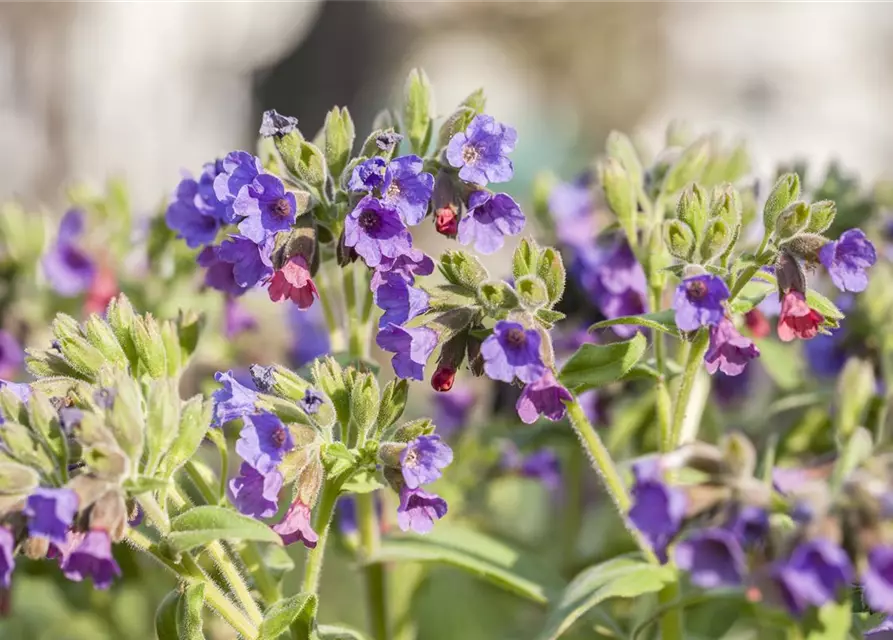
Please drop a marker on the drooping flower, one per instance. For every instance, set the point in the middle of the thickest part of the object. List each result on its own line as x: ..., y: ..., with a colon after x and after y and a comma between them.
x: 399, y: 301
x: 311, y: 401
x: 797, y: 319
x: 480, y: 151
x: 369, y: 175
x: 375, y: 231
x: 712, y: 557
x: 814, y: 574
x: 729, y: 351
x: 11, y: 354
x: 418, y: 510
x: 50, y: 513
x: 749, y: 524
x: 488, y: 220
x: 91, y: 557
x: 101, y: 291
x: 847, y: 258
x: 422, y: 460
x: 264, y: 441
x: 236, y: 319
x: 267, y: 207
x: 69, y: 269
x: 446, y: 221
x: 451, y: 409
x: 296, y: 526
x: 251, y: 261
x: 238, y: 170
x: 411, y: 348
x: 233, y: 401
x: 274, y: 123
x: 310, y: 337
x: 443, y: 378
x: 572, y: 208
x: 256, y: 494
x: 513, y: 351
x: 698, y: 302
x: 756, y: 322
x: 407, y: 188
x: 658, y: 508
x: 7, y: 559
x: 542, y: 397
x: 219, y: 274
x: 195, y: 213
x: 877, y: 579
x: 293, y: 282
x: 409, y: 264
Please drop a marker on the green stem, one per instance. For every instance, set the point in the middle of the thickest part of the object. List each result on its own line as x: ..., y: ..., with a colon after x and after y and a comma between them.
x: 367, y: 521
x: 154, y: 512
x: 604, y: 467
x: 573, y: 507
x: 355, y: 339
x: 336, y: 335
x: 672, y: 626
x: 189, y: 571
x: 321, y: 522
x: 219, y: 440
x: 692, y: 367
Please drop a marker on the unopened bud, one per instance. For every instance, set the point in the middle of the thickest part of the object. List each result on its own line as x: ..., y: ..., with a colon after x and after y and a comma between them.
x: 757, y: 323
x: 443, y: 379
x: 785, y: 191
x: 446, y: 221
x: 792, y: 220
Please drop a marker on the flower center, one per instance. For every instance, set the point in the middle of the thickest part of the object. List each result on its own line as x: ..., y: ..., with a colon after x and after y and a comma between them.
x: 278, y: 436
x: 697, y: 289
x: 470, y: 154
x: 516, y: 337
x: 393, y: 190
x: 369, y: 220
x: 282, y: 208
x: 411, y: 458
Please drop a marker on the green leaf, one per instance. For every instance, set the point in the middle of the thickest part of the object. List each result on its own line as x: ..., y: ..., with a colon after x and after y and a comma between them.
x: 296, y: 613
x: 478, y: 554
x: 815, y: 300
x: 617, y: 578
x: 179, y: 616
x: 339, y: 138
x: 332, y: 632
x: 661, y: 321
x: 833, y: 622
x: 595, y: 365
x: 166, y: 617
x: 201, y: 525
x: 785, y: 370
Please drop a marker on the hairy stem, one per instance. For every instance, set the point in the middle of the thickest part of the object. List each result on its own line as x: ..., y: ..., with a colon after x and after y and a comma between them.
x: 573, y: 507
x: 336, y: 335
x: 354, y: 328
x: 672, y: 626
x: 321, y: 523
x: 367, y: 521
x: 681, y: 409
x: 604, y: 466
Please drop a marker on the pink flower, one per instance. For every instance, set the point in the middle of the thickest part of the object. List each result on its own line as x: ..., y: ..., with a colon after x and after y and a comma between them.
x: 293, y: 282
x: 797, y: 320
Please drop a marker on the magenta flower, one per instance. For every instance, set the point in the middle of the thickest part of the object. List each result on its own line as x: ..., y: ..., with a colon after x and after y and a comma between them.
x: 513, y: 351
x: 480, y: 152
x: 296, y: 527
x: 90, y: 556
x: 542, y: 397
x: 729, y: 351
x: 488, y: 220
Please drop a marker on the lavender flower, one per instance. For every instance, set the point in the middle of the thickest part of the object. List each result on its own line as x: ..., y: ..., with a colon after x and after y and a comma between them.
x: 418, y: 510
x: 69, y: 270
x: 542, y: 465
x: 256, y: 494
x: 884, y: 631
x: 614, y: 280
x: 712, y: 557
x: 21, y: 390
x: 219, y: 273
x: 488, y: 220
x: 274, y: 123
x: 399, y: 301
x: 50, y: 513
x: 375, y: 231
x: 480, y: 152
x: 266, y: 206
x: 409, y: 264
x: 513, y: 351
x: 310, y: 335
x: 411, y: 349
x: 251, y: 261
x: 312, y: 401
x: 451, y: 409
x: 826, y: 354
x: 236, y: 319
x: 369, y: 175
x: 296, y: 527
x: 572, y: 208
x: 542, y: 397
x: 814, y: 574
x: 232, y: 401
x: 698, y: 302
x: 11, y: 354
x: 407, y: 189
x: 90, y: 556
x: 749, y: 525
x: 7, y: 559
x: 847, y: 258
x: 729, y: 351
x: 422, y: 460
x: 657, y: 509
x: 239, y: 169
x: 263, y: 441
x: 195, y: 213
x: 877, y: 579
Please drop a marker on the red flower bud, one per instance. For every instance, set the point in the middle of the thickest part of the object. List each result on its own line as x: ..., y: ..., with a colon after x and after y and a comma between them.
x: 757, y: 323
x: 103, y: 288
x: 292, y: 282
x: 446, y: 221
x: 443, y: 379
x: 797, y: 319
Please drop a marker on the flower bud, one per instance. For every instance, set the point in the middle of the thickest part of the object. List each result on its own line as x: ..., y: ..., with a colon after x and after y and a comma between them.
x: 393, y: 403
x: 785, y: 191
x: 855, y: 387
x: 462, y: 269
x: 806, y: 246
x: 716, y: 239
x: 473, y: 351
x: 343, y: 254
x: 792, y: 220
x: 149, y: 347
x: 821, y: 215
x: 101, y: 336
x: 17, y: 479
x: 36, y: 548
x: 688, y: 167
x: 172, y: 351
x: 497, y: 298
x: 389, y: 453
x: 739, y: 455
x: 330, y: 377
x: 109, y: 513
x: 446, y: 221
x: 17, y: 441
x: 418, y: 104
x: 195, y: 418
x: 126, y: 419
x: 381, y: 142
x: 190, y: 325
x: 619, y: 146
x: 310, y: 481
x: 552, y: 272
x: 364, y: 402
x: 339, y: 135
x: 620, y: 194
x: 44, y: 420
x: 680, y: 239
x: 692, y: 209
x: 163, y: 421
x: 285, y: 383
x: 457, y: 122
x: 412, y: 430
x: 789, y: 274
x: 443, y: 378
x: 532, y: 292
x: 525, y: 259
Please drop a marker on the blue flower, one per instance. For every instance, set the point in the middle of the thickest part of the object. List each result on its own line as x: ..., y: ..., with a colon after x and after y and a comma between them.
x: 251, y: 261
x: 376, y: 232
x: 488, y: 220
x: 232, y: 401
x: 814, y: 574
x: 480, y: 151
x: 658, y: 509
x: 418, y: 510
x: 399, y: 301
x: 369, y: 175
x: 264, y: 441
x: 90, y: 555
x: 411, y: 349
x: 513, y: 351
x: 267, y: 207
x: 422, y: 460
x: 847, y: 258
x: 50, y: 513
x: 312, y: 401
x: 195, y: 213
x: 698, y: 302
x: 712, y: 557
x: 239, y: 169
x: 256, y: 494
x: 877, y: 579
x: 407, y: 188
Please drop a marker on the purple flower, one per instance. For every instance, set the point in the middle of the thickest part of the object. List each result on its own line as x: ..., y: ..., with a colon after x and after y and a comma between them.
x: 480, y: 152
x: 572, y: 208
x: 310, y: 335
x: 407, y: 188
x: 266, y: 206
x: 749, y: 524
x: 826, y: 354
x: 68, y: 269
x: 884, y: 631
x: 451, y: 409
x: 375, y: 231
x: 411, y: 349
x: 236, y: 319
x: 195, y: 213
x: 11, y: 354
x: 418, y: 510
x: 513, y: 351
x: 91, y: 557
x: 712, y: 557
x: 542, y: 465
x: 614, y: 280
x: 69, y: 418
x: 296, y: 527
x: 698, y: 302
x: 422, y: 460
x: 408, y: 265
x: 369, y: 175
x: 877, y: 579
x: 232, y: 401
x: 543, y: 397
x: 21, y: 390
x: 263, y: 441
x: 274, y: 123
x: 50, y: 513
x: 729, y: 351
x: 847, y: 258
x: 219, y: 274
x: 488, y: 220
x: 814, y: 574
x: 255, y: 494
x: 239, y: 169
x: 7, y: 560
x: 312, y: 401
x: 657, y: 509
x: 347, y: 515
x: 399, y: 301
x: 251, y: 261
